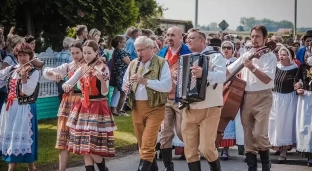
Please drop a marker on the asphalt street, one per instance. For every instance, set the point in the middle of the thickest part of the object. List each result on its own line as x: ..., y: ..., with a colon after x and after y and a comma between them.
x: 236, y: 163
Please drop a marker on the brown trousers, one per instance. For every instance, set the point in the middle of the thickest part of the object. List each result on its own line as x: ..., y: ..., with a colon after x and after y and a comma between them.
x: 199, y: 131
x: 255, y: 120
x: 173, y: 119
x: 146, y: 122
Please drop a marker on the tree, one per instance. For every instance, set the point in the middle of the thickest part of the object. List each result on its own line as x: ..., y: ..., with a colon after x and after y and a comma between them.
x: 214, y: 26
x: 49, y: 19
x: 150, y: 13
x: 240, y: 28
x: 272, y: 26
x: 109, y: 16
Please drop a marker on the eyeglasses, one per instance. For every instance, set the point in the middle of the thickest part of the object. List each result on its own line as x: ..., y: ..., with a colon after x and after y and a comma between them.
x: 227, y: 47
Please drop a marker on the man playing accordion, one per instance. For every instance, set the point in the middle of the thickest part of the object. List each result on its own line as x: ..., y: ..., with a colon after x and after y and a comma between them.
x: 200, y: 120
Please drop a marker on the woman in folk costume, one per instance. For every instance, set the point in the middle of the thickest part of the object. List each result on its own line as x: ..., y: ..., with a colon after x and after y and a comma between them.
x: 68, y: 100
x: 18, y: 120
x: 227, y: 49
x: 90, y: 121
x: 282, y: 121
x: 303, y: 86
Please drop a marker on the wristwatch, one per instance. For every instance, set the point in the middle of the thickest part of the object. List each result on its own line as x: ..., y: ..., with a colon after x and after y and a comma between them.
x: 254, y: 70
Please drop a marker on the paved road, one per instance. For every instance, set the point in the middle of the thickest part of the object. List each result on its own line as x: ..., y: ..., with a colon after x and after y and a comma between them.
x: 236, y: 163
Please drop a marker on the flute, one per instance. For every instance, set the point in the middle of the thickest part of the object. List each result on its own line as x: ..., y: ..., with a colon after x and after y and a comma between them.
x: 124, y: 105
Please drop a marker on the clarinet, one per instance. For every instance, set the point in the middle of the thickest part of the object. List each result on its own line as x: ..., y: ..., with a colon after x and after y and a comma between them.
x: 124, y: 105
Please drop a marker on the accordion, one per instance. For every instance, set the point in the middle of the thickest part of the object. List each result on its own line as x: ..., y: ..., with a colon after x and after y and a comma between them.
x: 191, y: 89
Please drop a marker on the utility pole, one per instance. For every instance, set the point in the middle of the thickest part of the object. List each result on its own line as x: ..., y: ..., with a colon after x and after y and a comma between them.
x: 196, y: 13
x: 295, y: 20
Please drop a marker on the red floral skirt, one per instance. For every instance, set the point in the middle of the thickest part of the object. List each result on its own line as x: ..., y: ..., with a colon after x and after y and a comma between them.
x: 91, y: 129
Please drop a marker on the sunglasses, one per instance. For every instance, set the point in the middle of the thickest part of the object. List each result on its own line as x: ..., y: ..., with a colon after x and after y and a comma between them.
x: 227, y: 47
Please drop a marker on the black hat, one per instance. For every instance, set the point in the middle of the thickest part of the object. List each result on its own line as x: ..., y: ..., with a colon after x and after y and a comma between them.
x: 309, y: 34
x: 215, y: 42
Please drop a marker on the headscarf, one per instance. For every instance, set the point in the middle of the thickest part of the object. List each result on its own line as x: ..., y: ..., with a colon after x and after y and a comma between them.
x: 231, y: 43
x: 290, y: 52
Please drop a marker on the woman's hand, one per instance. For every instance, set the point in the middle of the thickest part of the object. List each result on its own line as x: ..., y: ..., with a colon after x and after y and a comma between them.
x: 300, y: 91
x: 66, y: 87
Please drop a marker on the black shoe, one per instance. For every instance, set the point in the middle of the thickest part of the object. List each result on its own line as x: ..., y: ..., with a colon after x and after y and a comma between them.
x: 144, y: 165
x: 102, y: 166
x: 194, y: 166
x: 251, y: 160
x: 167, y: 159
x: 265, y: 160
x: 89, y: 168
x: 154, y: 166
x: 215, y: 165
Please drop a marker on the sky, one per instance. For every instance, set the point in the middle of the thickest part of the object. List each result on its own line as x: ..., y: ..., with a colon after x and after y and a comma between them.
x: 232, y: 10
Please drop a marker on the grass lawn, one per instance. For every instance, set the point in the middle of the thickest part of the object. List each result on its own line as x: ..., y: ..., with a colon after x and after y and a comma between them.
x: 48, y: 155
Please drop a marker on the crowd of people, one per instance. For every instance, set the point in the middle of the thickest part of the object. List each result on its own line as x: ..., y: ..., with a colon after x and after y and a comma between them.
x: 275, y: 114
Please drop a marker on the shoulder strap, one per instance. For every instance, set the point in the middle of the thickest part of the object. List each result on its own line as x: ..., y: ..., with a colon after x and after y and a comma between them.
x: 208, y: 53
x: 12, y: 57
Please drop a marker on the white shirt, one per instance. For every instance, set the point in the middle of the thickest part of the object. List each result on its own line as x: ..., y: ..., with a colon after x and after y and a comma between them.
x: 162, y: 85
x: 29, y: 87
x: 266, y: 63
x: 218, y: 69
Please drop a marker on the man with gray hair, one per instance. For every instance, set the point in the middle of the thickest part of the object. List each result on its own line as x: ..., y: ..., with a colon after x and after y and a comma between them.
x: 151, y: 81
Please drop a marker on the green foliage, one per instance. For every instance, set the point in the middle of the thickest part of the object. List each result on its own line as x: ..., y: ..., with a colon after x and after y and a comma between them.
x: 71, y: 32
x: 240, y: 28
x: 271, y: 25
x: 150, y: 21
x: 204, y: 27
x: 147, y: 8
x: 49, y: 19
x: 109, y: 16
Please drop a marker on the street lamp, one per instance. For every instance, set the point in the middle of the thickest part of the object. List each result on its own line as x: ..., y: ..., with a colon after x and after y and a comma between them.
x: 196, y: 13
x: 295, y: 20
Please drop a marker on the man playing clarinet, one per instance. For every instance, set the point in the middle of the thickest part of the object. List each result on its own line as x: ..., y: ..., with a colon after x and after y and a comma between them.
x: 200, y: 120
x: 151, y: 81
x: 259, y: 75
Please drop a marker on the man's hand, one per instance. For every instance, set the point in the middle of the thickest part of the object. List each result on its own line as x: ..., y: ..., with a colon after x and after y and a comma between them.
x: 138, y: 79
x: 248, y: 64
x: 197, y: 71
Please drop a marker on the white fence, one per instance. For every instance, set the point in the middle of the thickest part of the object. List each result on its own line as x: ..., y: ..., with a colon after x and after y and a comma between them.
x: 48, y: 88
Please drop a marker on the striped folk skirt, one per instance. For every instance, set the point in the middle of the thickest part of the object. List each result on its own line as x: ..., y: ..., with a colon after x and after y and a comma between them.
x: 91, y: 129
x: 66, y: 106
